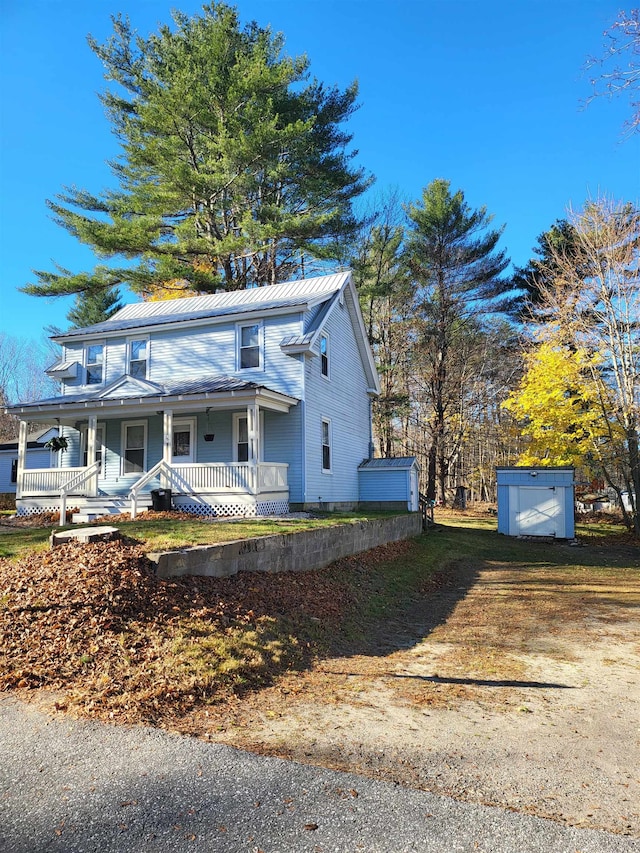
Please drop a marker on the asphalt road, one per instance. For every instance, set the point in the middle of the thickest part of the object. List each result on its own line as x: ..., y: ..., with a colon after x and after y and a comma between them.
x: 79, y: 787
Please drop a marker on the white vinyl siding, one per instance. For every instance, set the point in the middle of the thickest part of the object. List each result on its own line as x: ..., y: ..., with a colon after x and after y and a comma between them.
x: 345, y: 403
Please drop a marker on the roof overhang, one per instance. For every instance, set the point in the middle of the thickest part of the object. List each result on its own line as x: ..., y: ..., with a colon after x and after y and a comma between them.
x: 145, y: 406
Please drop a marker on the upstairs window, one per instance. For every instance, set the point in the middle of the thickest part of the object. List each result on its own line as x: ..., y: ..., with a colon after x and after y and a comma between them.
x: 138, y: 358
x: 324, y: 356
x: 94, y: 363
x: 249, y: 346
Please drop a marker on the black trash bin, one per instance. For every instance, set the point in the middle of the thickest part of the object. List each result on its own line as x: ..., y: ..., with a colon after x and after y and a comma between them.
x: 161, y: 500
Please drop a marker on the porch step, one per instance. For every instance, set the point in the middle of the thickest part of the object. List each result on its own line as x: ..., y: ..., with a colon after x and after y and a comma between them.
x: 94, y: 510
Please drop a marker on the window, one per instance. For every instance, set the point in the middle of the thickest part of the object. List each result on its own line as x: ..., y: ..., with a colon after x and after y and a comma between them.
x: 99, y: 446
x: 326, y: 444
x: 138, y: 358
x: 183, y: 440
x: 14, y: 470
x: 241, y: 451
x: 94, y: 359
x: 134, y: 447
x: 324, y: 356
x: 242, y: 443
x: 249, y: 348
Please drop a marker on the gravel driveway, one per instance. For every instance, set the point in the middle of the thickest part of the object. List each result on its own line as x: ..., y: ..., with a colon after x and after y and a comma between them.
x: 77, y: 787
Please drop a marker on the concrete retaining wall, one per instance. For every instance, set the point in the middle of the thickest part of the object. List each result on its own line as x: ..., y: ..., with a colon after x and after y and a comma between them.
x: 283, y: 552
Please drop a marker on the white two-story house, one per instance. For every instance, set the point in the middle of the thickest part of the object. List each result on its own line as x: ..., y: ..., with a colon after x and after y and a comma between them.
x: 241, y: 403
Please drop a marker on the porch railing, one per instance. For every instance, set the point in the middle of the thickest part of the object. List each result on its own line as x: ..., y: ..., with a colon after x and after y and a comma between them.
x: 216, y: 476
x: 47, y: 481
x: 272, y: 476
x: 211, y: 477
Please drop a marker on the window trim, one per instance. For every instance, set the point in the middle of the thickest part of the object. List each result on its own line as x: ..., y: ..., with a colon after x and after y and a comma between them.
x: 326, y: 421
x: 123, y: 448
x: 132, y: 340
x: 86, y: 363
x: 102, y: 447
x: 239, y: 347
x: 180, y: 424
x: 237, y: 417
x: 327, y: 358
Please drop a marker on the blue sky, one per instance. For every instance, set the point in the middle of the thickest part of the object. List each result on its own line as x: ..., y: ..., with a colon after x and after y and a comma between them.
x: 485, y: 93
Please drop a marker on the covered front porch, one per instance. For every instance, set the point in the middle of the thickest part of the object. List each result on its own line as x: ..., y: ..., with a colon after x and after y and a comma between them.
x: 214, y: 451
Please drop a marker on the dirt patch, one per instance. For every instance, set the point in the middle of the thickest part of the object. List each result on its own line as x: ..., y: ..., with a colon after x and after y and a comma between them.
x: 527, y: 697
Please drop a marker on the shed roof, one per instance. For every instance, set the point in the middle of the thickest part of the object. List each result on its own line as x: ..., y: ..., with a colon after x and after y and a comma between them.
x: 397, y: 462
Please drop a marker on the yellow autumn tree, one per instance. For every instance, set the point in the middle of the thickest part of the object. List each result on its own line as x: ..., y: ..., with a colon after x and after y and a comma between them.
x: 560, y: 408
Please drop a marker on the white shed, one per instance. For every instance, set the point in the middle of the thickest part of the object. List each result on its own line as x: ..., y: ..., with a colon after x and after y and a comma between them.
x: 536, y: 501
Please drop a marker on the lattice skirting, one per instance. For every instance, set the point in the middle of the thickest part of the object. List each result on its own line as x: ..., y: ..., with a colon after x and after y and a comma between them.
x: 35, y: 510
x: 228, y: 509
x: 233, y: 510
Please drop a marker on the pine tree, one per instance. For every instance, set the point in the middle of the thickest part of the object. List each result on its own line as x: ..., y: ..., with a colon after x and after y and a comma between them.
x: 532, y: 280
x: 456, y: 267
x: 93, y: 307
x: 233, y: 165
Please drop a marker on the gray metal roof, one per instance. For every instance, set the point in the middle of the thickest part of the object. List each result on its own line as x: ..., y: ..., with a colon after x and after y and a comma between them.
x: 393, y: 462
x: 291, y: 294
x: 200, y: 385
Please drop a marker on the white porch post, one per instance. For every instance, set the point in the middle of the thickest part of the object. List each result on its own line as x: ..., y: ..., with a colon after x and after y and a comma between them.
x: 22, y: 457
x: 167, y: 442
x: 92, y: 428
x: 253, y: 430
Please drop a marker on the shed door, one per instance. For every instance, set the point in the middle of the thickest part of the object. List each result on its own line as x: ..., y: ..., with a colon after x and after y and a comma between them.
x: 539, y: 511
x: 413, y: 493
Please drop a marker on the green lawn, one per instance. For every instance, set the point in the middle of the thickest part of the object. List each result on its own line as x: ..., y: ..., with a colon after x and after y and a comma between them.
x: 170, y: 534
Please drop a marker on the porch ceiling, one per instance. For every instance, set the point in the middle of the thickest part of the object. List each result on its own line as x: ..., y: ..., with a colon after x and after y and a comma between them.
x: 124, y: 399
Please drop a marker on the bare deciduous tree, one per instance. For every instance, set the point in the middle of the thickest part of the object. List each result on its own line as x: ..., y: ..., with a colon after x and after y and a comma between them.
x: 595, y: 304
x: 619, y: 67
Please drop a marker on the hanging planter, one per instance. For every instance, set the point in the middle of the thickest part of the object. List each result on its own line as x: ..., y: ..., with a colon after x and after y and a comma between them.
x: 57, y: 443
x: 209, y: 436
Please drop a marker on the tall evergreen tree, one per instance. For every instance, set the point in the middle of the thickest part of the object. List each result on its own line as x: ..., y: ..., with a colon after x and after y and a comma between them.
x: 93, y: 307
x: 531, y: 281
x: 456, y: 266
x: 233, y: 165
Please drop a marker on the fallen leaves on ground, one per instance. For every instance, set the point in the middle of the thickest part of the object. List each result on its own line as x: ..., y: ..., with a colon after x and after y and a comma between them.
x: 93, y: 620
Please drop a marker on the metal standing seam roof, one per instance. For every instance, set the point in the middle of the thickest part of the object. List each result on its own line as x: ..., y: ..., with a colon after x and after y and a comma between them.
x: 286, y: 295
x: 393, y: 462
x: 201, y: 385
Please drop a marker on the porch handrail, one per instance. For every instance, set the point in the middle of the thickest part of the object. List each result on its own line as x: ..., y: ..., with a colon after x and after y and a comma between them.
x: 160, y: 467
x: 77, y: 480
